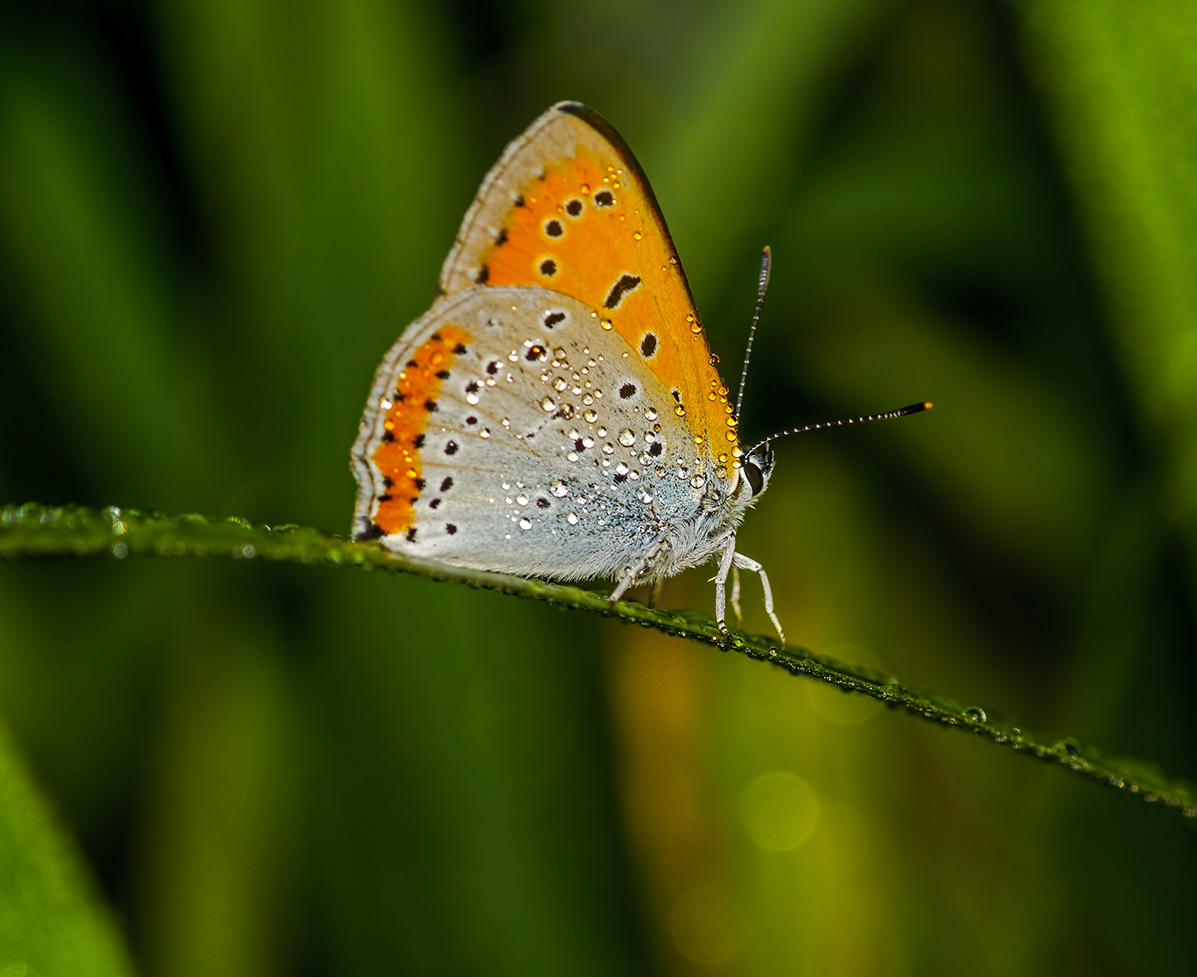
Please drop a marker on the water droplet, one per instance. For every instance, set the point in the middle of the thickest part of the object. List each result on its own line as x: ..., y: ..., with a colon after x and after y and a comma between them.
x: 975, y: 714
x: 522, y: 499
x: 557, y: 488
x: 548, y: 405
x: 590, y: 416
x: 525, y: 523
x: 697, y: 482
x: 572, y: 518
x: 627, y: 438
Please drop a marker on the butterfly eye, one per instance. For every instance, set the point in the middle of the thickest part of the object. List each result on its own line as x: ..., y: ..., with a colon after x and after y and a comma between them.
x: 756, y: 478
x: 757, y: 467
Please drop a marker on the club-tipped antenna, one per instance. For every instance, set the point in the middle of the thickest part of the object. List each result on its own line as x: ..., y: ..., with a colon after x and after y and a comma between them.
x: 900, y: 412
x: 762, y: 287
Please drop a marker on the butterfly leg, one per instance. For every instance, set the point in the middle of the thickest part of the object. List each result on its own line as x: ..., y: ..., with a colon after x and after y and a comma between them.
x: 654, y: 592
x: 637, y: 568
x: 726, y: 559
x: 735, y: 595
x: 747, y: 563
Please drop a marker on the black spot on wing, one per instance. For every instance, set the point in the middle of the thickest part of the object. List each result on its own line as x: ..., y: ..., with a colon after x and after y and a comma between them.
x: 626, y: 283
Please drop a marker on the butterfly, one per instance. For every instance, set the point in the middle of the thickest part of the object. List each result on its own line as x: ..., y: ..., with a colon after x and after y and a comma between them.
x: 557, y: 412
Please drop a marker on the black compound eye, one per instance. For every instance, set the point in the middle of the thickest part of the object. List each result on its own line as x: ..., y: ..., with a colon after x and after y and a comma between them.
x: 756, y: 479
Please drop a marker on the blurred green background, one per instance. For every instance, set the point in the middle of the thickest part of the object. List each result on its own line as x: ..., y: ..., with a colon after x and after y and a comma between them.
x: 216, y: 216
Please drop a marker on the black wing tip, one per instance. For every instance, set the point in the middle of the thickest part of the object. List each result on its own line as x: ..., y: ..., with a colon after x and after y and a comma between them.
x: 571, y: 107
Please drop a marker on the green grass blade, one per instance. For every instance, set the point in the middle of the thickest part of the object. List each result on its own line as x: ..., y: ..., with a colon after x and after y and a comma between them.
x: 50, y: 919
x: 36, y: 530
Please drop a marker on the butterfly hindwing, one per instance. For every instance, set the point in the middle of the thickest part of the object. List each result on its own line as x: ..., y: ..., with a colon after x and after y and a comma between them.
x: 506, y: 431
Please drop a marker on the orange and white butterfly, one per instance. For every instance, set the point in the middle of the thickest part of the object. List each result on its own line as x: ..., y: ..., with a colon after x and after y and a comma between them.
x: 557, y: 412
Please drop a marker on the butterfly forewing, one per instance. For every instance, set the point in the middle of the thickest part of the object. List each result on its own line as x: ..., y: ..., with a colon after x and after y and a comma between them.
x: 567, y: 208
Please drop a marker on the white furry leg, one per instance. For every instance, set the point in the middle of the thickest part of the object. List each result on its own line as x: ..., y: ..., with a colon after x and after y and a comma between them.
x: 735, y: 595
x: 747, y: 563
x: 726, y: 559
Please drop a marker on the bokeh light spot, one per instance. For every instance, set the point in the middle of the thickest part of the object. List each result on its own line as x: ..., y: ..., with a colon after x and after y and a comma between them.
x: 707, y: 925
x: 779, y: 810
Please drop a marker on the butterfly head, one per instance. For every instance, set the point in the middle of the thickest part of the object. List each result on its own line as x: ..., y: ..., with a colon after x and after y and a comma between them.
x: 756, y: 468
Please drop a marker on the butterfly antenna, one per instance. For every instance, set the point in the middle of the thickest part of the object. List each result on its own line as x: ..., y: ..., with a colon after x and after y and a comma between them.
x: 762, y: 287
x: 900, y: 412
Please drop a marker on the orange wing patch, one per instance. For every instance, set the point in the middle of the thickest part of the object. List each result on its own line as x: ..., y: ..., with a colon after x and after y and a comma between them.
x: 412, y: 402
x: 587, y: 229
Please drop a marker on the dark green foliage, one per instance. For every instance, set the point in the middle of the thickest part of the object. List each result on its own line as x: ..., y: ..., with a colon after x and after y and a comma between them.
x: 215, y: 217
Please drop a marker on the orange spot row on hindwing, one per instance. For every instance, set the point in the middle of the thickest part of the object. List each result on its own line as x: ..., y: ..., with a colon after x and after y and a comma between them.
x: 412, y: 402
